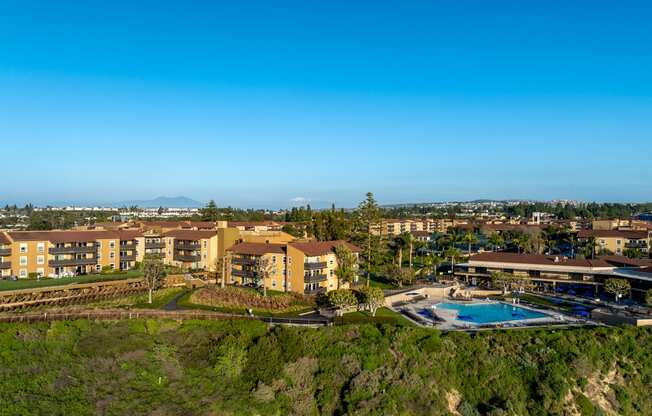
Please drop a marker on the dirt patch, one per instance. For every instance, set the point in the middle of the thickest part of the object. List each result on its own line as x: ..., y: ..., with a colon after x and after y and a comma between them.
x: 453, y: 398
x: 570, y: 407
x: 598, y: 390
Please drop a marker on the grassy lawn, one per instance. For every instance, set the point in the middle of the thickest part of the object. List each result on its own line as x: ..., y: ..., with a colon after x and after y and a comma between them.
x: 186, y: 303
x: 383, y: 315
x: 91, y: 278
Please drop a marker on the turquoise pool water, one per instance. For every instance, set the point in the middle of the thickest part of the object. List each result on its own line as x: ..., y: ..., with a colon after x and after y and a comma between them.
x: 490, y: 313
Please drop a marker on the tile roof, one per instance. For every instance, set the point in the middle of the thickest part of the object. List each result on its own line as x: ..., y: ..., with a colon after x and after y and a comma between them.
x: 634, y: 235
x: 537, y: 259
x: 58, y: 236
x: 319, y: 248
x: 257, y: 249
x: 190, y: 234
x: 4, y: 239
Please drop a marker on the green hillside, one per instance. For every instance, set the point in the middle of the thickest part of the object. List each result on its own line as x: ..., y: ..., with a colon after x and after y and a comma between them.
x: 242, y: 368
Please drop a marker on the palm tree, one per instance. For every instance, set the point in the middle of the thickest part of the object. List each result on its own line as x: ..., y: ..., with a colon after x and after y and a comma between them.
x: 470, y: 239
x: 454, y: 254
x: 589, y: 249
x: 402, y: 241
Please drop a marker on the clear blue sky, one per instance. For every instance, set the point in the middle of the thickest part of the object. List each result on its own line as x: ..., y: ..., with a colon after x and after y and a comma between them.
x: 256, y: 103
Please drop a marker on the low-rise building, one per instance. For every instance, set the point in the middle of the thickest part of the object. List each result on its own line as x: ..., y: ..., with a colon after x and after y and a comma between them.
x: 302, y: 267
x: 67, y: 253
x: 617, y: 241
x: 552, y: 272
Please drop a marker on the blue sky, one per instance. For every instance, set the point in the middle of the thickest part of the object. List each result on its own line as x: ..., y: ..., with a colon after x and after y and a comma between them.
x: 258, y: 103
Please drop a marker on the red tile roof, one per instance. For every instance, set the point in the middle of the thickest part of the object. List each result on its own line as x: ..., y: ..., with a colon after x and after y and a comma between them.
x: 58, y: 236
x: 536, y: 259
x: 257, y: 249
x: 190, y: 234
x: 632, y: 235
x: 319, y: 248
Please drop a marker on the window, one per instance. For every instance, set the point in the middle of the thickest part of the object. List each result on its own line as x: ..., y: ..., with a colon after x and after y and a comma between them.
x: 98, y: 244
x: 98, y: 267
x: 40, y: 271
x: 40, y: 247
x: 618, y: 242
x: 111, y: 244
x: 40, y: 259
x: 112, y: 266
x: 112, y: 255
x: 23, y: 260
x: 23, y: 247
x: 273, y: 283
x: 23, y: 273
x: 205, y: 243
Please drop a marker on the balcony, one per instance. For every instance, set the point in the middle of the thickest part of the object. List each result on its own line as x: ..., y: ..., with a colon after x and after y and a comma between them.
x: 241, y: 273
x: 243, y: 260
x: 317, y: 291
x: 129, y: 246
x: 127, y: 257
x: 315, y: 278
x: 72, y: 249
x: 155, y: 255
x: 72, y: 262
x: 154, y: 245
x: 186, y: 246
x: 636, y: 244
x: 187, y: 258
x: 5, y: 265
x: 5, y: 252
x: 315, y: 265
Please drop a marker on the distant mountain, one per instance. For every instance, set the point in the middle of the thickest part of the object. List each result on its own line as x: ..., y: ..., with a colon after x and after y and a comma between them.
x: 162, y: 201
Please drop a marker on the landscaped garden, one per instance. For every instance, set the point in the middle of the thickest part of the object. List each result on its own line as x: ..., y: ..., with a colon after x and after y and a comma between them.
x: 242, y: 299
x: 47, y: 281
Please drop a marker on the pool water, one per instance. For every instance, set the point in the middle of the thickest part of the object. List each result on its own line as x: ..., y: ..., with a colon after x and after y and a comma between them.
x: 489, y: 313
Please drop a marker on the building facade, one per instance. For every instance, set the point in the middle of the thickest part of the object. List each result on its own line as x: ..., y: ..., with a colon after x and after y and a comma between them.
x: 302, y: 267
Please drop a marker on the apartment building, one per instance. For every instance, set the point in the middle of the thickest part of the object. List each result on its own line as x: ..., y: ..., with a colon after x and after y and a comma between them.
x: 302, y: 267
x: 394, y: 227
x: 67, y: 253
x: 195, y: 249
x: 552, y: 272
x: 617, y: 241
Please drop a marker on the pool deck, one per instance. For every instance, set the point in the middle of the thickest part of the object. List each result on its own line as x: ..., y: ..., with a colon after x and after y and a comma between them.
x: 447, y: 318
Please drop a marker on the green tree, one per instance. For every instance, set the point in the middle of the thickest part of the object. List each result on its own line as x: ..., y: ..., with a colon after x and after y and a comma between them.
x: 263, y: 270
x: 470, y: 239
x: 347, y: 265
x: 496, y: 240
x: 648, y: 297
x: 589, y: 247
x: 617, y: 287
x: 633, y: 253
x: 153, y: 273
x: 368, y: 222
x: 454, y: 254
x: 210, y: 212
x: 371, y: 298
x: 341, y: 298
x: 399, y: 276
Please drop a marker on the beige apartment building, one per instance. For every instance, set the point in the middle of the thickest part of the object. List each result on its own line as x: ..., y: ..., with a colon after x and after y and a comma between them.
x: 394, y: 227
x: 617, y: 241
x: 67, y: 253
x: 302, y: 267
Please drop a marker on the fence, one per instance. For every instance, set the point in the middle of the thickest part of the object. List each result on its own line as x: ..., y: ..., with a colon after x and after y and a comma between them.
x: 154, y: 314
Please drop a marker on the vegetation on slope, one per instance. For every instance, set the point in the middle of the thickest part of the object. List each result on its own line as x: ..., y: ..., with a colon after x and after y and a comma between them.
x: 164, y: 367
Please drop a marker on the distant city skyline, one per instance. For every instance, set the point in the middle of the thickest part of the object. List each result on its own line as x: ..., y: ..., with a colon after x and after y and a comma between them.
x: 275, y: 104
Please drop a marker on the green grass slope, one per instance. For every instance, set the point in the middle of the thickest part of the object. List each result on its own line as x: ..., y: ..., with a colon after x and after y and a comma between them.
x: 245, y: 368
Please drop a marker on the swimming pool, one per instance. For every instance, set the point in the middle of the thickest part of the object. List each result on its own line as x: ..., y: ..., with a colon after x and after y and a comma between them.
x: 490, y: 313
